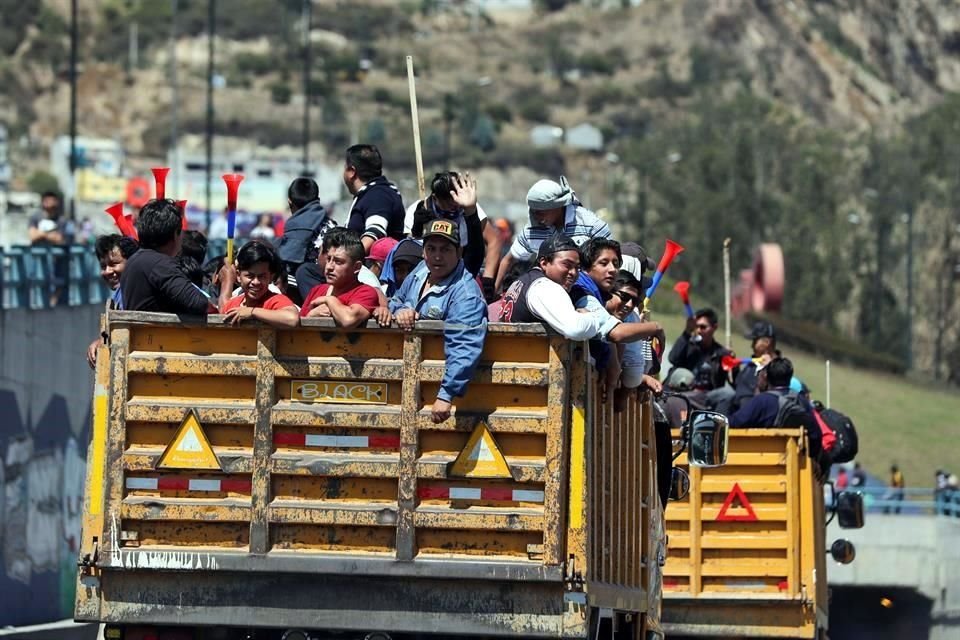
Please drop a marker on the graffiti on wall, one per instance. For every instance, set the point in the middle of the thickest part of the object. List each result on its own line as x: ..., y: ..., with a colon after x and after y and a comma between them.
x: 41, y: 504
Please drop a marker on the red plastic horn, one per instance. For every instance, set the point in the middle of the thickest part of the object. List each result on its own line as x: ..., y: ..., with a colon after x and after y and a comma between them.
x: 669, y: 253
x: 183, y: 213
x: 683, y: 290
x: 729, y: 362
x: 123, y: 223
x: 160, y: 176
x: 232, y: 180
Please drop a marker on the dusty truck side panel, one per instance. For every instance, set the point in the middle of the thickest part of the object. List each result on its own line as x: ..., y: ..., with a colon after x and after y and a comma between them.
x: 330, y: 466
x: 747, y: 555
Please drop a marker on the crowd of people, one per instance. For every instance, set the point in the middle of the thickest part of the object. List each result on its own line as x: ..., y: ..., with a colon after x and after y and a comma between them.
x: 440, y: 258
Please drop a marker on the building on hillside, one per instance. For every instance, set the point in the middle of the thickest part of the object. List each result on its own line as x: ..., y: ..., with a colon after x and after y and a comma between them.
x: 265, y: 183
x: 99, y: 168
x: 545, y: 135
x: 585, y: 137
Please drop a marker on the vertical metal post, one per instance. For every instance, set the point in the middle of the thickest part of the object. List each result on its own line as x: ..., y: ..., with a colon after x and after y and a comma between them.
x: 307, y: 20
x: 175, y: 99
x: 73, y: 108
x: 910, y: 288
x: 828, y: 383
x: 211, y: 28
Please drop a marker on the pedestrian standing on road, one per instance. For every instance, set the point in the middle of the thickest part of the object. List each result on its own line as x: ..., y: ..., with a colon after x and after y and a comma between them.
x: 895, y: 493
x: 859, y: 477
x: 843, y: 479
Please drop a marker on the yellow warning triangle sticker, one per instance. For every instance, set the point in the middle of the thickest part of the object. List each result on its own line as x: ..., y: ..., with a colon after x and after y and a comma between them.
x: 480, y: 458
x: 189, y: 448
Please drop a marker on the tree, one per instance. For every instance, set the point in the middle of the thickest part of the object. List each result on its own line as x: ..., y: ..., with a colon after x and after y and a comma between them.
x: 484, y: 133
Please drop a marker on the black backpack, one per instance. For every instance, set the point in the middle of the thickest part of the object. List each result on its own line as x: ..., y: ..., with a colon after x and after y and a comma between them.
x: 845, y: 448
x: 790, y: 411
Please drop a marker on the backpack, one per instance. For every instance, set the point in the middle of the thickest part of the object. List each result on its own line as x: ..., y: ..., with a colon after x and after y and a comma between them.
x: 790, y: 411
x: 845, y: 448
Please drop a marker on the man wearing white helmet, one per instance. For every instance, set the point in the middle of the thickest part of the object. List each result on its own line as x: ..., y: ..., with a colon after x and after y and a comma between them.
x: 554, y: 208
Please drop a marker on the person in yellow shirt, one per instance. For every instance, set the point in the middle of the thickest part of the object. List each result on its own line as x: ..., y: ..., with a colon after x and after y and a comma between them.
x: 896, y: 492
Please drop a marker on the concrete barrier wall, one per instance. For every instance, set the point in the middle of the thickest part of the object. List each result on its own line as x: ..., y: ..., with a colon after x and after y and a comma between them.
x: 45, y: 400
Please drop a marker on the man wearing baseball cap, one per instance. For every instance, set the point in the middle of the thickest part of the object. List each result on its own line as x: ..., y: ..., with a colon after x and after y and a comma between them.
x: 764, y: 343
x: 440, y: 288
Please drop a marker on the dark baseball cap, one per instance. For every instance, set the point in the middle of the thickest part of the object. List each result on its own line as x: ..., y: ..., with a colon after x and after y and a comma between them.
x: 409, y: 251
x: 554, y: 244
x: 762, y: 329
x: 443, y: 228
x: 638, y: 252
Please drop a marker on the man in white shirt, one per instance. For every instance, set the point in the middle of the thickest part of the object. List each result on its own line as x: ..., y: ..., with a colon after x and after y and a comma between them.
x: 543, y: 295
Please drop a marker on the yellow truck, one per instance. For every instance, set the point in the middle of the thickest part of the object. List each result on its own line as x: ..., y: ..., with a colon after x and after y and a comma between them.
x: 747, y: 550
x: 252, y: 482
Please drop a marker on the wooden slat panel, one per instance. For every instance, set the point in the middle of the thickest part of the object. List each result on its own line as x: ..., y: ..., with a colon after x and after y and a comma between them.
x: 435, y: 467
x: 186, y: 509
x: 339, y: 368
x: 746, y: 568
x: 159, y: 363
x: 498, y: 421
x: 335, y: 464
x: 173, y: 411
x: 505, y: 373
x: 143, y: 459
x: 295, y: 414
x: 486, y: 518
x: 317, y: 512
x: 552, y: 471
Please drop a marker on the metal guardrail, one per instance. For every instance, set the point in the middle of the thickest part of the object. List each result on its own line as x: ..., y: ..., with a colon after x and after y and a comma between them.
x: 914, y: 501
x: 36, y: 277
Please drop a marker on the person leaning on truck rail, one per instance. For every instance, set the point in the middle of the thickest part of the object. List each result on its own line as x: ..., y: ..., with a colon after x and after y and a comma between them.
x: 257, y: 267
x: 112, y: 253
x: 343, y: 296
x: 151, y: 280
x: 440, y: 288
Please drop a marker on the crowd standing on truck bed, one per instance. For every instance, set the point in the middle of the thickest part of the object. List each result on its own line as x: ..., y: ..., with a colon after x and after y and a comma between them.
x: 441, y: 258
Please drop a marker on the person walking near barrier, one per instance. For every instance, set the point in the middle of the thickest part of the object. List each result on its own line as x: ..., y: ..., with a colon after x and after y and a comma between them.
x: 895, y: 494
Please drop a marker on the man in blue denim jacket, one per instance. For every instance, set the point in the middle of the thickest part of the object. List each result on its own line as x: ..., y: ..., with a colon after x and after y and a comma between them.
x: 440, y: 288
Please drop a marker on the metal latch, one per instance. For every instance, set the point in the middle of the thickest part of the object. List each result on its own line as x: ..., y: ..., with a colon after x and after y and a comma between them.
x: 535, y: 551
x: 130, y: 538
x: 88, y: 560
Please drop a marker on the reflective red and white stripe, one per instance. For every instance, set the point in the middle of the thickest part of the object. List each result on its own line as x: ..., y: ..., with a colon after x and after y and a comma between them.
x: 484, y: 493
x: 174, y: 483
x: 337, y: 442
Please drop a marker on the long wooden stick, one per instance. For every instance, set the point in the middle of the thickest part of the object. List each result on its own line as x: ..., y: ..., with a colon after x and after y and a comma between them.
x: 726, y: 290
x: 415, y: 117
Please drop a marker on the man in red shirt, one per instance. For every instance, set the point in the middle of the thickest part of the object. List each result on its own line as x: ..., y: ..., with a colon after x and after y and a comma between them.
x: 343, y: 297
x: 257, y: 267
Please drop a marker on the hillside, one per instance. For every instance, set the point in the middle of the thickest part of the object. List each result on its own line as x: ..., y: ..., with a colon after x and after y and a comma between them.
x: 829, y: 126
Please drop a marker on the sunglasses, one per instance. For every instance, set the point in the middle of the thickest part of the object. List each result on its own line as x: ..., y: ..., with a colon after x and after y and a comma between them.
x: 627, y: 297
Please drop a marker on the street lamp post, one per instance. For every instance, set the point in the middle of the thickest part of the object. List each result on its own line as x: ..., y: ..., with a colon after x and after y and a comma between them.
x: 211, y: 22
x: 307, y: 19
x: 73, y: 108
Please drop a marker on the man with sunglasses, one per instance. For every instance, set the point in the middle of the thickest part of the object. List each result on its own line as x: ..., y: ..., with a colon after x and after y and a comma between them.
x: 625, y: 304
x: 600, y: 260
x: 454, y: 197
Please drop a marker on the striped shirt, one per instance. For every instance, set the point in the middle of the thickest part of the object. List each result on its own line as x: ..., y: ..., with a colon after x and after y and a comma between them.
x: 579, y: 225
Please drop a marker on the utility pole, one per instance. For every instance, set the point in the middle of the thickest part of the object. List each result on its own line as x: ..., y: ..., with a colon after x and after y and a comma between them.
x: 175, y: 99
x: 73, y: 108
x: 449, y: 113
x: 307, y: 19
x: 910, y: 287
x: 211, y: 21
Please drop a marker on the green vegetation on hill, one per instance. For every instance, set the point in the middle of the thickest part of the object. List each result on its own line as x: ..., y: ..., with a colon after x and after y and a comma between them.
x: 898, y: 420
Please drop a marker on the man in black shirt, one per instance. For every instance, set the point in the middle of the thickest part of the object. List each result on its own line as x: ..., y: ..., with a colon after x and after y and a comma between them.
x: 152, y: 281
x: 697, y: 351
x: 377, y: 209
